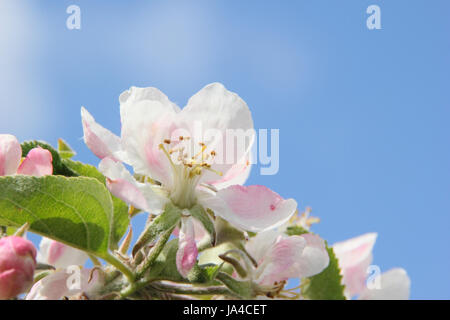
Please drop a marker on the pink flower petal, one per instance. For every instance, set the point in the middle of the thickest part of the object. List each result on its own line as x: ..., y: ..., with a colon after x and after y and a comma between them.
x: 354, y: 256
x: 102, y: 142
x: 10, y: 154
x: 281, y: 261
x: 253, y: 208
x: 237, y: 174
x: 17, y: 264
x: 124, y: 186
x: 354, y: 277
x: 187, y: 248
x: 199, y: 231
x: 353, y: 251
x: 60, y: 255
x: 37, y: 163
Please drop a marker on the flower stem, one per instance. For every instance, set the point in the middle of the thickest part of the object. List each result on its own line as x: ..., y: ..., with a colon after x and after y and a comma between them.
x: 189, y: 289
x: 154, y: 253
x: 120, y: 266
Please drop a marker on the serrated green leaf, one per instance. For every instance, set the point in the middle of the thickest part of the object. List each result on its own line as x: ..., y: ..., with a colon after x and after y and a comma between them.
x: 58, y: 167
x: 65, y: 151
x: 165, y: 221
x: 76, y: 211
x: 326, y: 285
x: 295, y: 231
x: 121, y: 217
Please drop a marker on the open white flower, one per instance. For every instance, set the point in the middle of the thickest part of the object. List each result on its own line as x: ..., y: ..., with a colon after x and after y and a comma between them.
x: 355, y: 256
x: 191, y: 155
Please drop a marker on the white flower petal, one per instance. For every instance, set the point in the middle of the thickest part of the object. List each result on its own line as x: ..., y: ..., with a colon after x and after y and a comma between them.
x: 58, y: 285
x: 314, y: 258
x: 252, y: 208
x: 217, y: 111
x: 122, y: 184
x: 394, y: 285
x: 281, y: 260
x: 102, y: 142
x: 60, y: 255
x: 355, y: 250
x: 237, y: 174
x: 148, y: 118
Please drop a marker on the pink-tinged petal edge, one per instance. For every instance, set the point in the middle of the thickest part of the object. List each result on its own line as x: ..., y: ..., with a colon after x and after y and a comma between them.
x: 353, y: 251
x: 120, y: 182
x: 187, y: 248
x: 10, y: 154
x: 38, y: 162
x: 354, y: 256
x: 102, y: 142
x: 236, y: 175
x: 253, y: 208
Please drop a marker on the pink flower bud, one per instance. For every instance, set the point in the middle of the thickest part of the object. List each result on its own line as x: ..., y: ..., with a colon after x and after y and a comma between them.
x: 17, y: 264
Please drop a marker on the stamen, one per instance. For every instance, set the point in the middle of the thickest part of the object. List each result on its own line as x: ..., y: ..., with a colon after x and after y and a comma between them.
x: 212, y: 170
x: 201, y: 151
x: 161, y: 146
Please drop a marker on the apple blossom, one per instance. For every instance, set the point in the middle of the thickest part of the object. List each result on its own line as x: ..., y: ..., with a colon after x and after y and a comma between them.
x: 17, y: 264
x: 60, y: 255
x: 184, y: 152
x: 67, y: 282
x: 355, y: 256
x: 38, y: 161
x: 280, y: 257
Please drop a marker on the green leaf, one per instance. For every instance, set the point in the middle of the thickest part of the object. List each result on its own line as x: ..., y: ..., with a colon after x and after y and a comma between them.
x: 65, y: 151
x: 201, y: 215
x: 165, y: 221
x: 75, y: 211
x: 295, y: 231
x: 326, y: 285
x: 59, y: 168
x: 121, y: 217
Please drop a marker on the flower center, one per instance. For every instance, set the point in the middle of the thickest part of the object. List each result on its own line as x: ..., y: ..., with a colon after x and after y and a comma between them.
x: 187, y: 169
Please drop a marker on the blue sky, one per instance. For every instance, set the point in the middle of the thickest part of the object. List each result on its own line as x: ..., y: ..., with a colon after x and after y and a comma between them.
x: 363, y: 114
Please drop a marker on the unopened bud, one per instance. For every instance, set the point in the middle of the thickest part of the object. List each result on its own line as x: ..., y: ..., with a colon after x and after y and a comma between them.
x: 17, y: 264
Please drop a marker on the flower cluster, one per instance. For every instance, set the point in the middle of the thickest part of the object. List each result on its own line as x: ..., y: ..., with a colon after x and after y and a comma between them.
x: 206, y: 231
